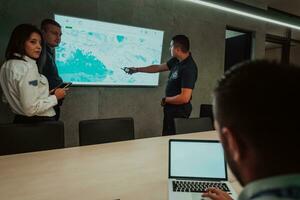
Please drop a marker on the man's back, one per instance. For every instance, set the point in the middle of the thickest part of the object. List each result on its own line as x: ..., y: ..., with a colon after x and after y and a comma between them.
x: 275, y: 188
x: 256, y: 107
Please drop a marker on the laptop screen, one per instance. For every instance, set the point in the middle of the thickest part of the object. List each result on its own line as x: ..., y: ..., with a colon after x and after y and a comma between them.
x: 196, y: 159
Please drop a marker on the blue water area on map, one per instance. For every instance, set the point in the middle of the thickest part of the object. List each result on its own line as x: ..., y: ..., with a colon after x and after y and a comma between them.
x: 85, y: 63
x: 140, y: 57
x: 120, y: 38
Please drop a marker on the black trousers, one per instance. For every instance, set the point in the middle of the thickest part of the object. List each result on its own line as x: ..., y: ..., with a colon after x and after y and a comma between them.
x: 57, y: 109
x: 57, y: 112
x: 21, y: 119
x: 174, y: 111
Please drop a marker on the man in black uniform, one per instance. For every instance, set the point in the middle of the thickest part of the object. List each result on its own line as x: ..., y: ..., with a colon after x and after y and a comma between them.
x: 52, y: 36
x: 181, y: 82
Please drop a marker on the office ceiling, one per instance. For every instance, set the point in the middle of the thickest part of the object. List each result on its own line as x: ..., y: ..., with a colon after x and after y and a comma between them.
x: 290, y: 6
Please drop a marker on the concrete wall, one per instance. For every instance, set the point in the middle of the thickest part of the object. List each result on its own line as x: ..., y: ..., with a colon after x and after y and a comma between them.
x: 205, y: 27
x: 294, y: 54
x: 273, y: 54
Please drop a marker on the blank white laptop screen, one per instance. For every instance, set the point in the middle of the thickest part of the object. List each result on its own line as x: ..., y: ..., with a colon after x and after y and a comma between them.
x: 197, y: 159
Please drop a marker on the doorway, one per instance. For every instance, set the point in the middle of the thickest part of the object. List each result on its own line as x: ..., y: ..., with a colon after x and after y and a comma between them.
x: 238, y: 47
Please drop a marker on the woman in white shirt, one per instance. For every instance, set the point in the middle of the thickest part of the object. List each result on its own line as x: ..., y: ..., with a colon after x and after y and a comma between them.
x: 24, y: 88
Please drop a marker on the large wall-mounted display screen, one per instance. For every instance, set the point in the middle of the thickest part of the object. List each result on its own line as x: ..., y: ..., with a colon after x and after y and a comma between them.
x: 93, y: 52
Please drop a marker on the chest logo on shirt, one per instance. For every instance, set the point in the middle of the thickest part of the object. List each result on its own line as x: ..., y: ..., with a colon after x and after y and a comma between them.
x: 33, y: 83
x: 174, y: 75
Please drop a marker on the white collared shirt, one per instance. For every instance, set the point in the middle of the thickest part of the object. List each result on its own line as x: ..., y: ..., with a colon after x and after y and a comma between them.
x: 25, y: 89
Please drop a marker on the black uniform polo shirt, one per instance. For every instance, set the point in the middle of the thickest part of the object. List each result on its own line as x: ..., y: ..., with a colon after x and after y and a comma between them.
x: 49, y: 68
x: 182, y: 75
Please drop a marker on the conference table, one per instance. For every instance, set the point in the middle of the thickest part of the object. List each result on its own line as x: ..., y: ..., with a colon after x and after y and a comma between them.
x: 135, y: 169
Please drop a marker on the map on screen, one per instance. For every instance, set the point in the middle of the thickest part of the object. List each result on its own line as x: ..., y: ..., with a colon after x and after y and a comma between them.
x: 93, y: 52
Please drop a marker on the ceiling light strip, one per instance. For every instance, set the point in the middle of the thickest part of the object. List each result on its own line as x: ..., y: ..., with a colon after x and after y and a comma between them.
x: 235, y: 11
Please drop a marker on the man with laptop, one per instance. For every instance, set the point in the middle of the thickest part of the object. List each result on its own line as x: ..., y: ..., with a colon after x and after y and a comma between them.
x: 256, y: 107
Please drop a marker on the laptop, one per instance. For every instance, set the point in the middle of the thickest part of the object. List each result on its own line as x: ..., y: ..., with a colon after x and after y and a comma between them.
x: 195, y: 165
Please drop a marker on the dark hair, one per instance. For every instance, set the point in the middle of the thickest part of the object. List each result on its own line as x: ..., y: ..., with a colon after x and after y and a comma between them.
x: 182, y: 42
x: 46, y: 22
x: 17, y: 40
x: 259, y: 101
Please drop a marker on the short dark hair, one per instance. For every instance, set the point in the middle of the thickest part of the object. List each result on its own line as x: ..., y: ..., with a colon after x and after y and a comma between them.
x: 259, y: 101
x: 17, y: 40
x: 46, y: 22
x: 182, y: 42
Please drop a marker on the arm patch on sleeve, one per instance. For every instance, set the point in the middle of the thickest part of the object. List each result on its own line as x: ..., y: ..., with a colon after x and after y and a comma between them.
x: 33, y: 83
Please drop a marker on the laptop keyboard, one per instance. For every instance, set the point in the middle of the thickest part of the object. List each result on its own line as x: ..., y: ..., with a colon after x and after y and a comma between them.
x: 199, y: 186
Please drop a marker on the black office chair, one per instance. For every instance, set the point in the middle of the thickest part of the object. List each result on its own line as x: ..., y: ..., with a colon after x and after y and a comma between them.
x: 105, y: 130
x: 206, y: 110
x: 22, y: 138
x: 191, y: 125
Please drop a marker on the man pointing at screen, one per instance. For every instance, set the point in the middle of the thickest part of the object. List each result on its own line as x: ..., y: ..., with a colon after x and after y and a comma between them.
x: 181, y: 82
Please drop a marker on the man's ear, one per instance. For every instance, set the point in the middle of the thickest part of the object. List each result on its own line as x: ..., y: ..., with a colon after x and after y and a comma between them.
x: 234, y: 146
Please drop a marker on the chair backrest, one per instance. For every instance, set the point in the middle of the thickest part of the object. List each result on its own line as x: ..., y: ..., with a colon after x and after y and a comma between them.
x: 22, y: 138
x: 99, y: 131
x: 191, y: 125
x: 206, y: 110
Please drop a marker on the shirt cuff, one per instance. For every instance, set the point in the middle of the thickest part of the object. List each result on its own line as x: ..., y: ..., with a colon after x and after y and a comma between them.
x: 53, y: 99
